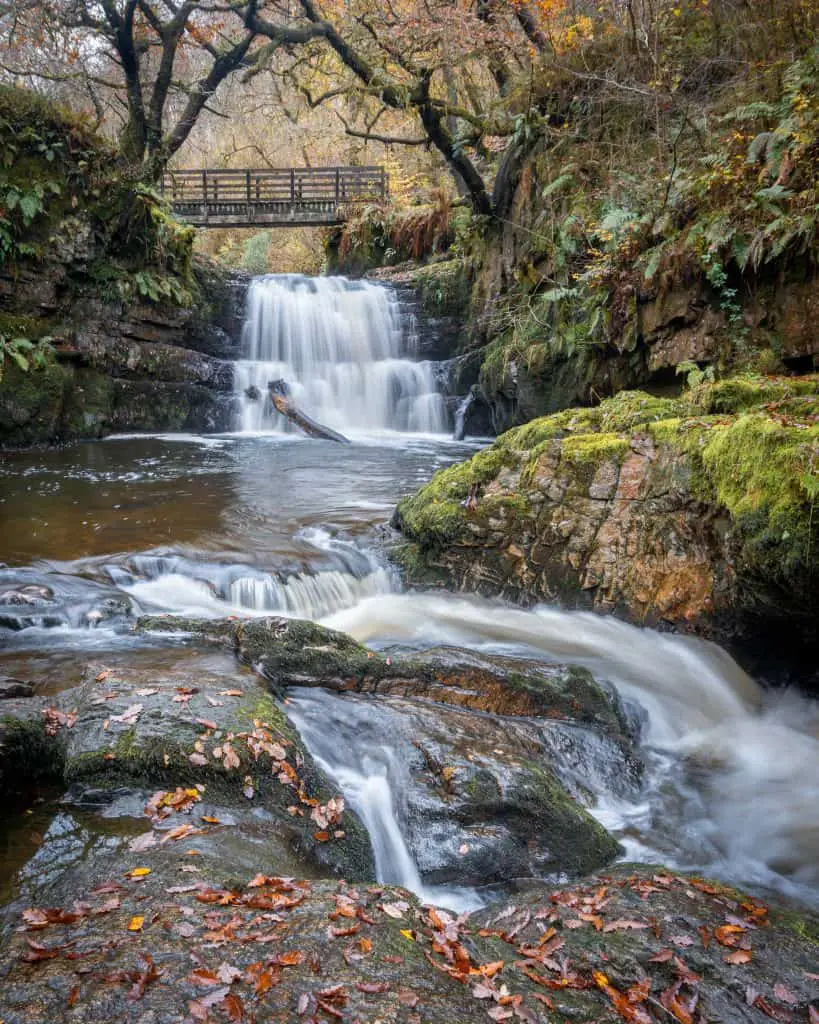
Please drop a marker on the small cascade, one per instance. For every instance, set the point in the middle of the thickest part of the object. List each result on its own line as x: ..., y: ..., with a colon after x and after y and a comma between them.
x: 344, y: 348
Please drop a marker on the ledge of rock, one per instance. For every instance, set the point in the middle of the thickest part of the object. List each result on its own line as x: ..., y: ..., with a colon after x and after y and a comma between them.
x: 693, y: 512
x: 163, y: 945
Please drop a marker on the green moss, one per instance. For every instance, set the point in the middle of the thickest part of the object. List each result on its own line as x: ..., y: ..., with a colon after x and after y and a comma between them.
x: 744, y: 392
x: 630, y: 409
x: 585, y: 449
x: 436, y: 514
x: 444, y: 288
x: 757, y: 466
x: 29, y: 755
x: 13, y: 325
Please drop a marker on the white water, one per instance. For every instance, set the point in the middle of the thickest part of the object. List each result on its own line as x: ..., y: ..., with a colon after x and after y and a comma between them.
x: 342, y: 347
x: 364, y: 776
x: 732, y: 785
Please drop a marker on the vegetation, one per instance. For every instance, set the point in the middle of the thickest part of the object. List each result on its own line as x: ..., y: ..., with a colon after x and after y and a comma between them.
x: 752, y: 445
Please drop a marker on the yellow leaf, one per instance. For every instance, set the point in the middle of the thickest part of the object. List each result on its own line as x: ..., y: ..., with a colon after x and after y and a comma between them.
x: 135, y: 924
x: 139, y: 872
x: 407, y: 934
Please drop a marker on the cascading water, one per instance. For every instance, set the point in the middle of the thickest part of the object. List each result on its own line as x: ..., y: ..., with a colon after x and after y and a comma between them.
x: 343, y: 348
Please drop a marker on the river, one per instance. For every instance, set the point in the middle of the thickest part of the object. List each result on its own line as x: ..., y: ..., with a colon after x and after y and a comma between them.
x: 263, y: 521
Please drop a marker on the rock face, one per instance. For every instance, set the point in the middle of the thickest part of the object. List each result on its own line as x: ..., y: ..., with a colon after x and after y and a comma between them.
x: 165, y: 946
x: 695, y: 512
x: 119, y: 366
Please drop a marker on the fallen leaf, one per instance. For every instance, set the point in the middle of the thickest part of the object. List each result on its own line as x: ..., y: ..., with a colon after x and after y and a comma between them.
x: 198, y: 759
x: 783, y: 993
x: 135, y: 924
x: 662, y: 957
x: 227, y: 973
x: 139, y: 873
x: 622, y: 924
x: 231, y: 693
x: 727, y: 934
x: 149, y: 692
x: 141, y: 843
x: 739, y: 956
x: 129, y: 716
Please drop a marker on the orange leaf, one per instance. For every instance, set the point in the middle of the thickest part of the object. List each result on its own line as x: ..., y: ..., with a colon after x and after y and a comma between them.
x: 135, y: 924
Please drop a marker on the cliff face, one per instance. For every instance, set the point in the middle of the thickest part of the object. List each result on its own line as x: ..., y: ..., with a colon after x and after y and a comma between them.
x: 115, y: 325
x: 116, y: 366
x: 697, y: 513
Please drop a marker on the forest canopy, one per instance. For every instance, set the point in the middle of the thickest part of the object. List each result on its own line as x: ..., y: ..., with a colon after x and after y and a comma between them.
x: 469, y: 84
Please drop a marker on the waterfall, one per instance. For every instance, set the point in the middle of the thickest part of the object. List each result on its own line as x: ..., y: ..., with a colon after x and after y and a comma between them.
x: 343, y: 348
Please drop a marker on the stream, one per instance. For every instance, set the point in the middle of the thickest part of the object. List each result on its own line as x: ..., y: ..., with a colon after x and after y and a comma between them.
x: 262, y: 521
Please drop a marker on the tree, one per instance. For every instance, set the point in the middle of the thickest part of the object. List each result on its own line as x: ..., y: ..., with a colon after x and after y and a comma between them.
x: 153, y: 64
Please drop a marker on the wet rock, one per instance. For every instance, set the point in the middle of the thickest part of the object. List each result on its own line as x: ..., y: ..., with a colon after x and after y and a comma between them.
x: 687, y: 512
x: 221, y: 738
x: 28, y: 594
x: 519, y: 805
x: 14, y: 688
x: 481, y: 799
x: 172, y: 945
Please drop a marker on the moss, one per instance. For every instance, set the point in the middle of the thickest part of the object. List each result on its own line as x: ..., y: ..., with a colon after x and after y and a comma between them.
x: 575, y: 840
x: 630, y: 409
x: 13, y: 325
x: 757, y: 466
x: 29, y: 754
x: 444, y: 288
x: 436, y: 514
x: 744, y: 392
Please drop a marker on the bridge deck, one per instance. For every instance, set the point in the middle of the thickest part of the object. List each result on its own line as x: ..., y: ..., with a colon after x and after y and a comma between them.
x: 272, y: 198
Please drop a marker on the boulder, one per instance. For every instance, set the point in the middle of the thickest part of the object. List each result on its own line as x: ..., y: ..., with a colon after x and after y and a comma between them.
x: 694, y: 513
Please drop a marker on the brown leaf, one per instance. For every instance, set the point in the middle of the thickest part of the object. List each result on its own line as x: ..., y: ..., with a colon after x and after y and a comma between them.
x: 727, y: 934
x: 739, y: 956
x: 783, y: 993
x: 662, y: 957
x: 291, y: 959
x: 233, y: 1007
x: 705, y: 935
x: 373, y: 986
x: 783, y: 1014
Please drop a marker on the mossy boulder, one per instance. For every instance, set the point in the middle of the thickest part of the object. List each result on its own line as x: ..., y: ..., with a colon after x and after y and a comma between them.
x: 697, y: 512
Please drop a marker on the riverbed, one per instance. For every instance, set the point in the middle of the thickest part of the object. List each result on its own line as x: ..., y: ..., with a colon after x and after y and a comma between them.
x: 264, y: 522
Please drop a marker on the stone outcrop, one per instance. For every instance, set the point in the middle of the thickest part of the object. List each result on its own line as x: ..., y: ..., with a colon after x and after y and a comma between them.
x: 152, y: 943
x: 118, y: 366
x: 695, y: 513
x: 487, y: 796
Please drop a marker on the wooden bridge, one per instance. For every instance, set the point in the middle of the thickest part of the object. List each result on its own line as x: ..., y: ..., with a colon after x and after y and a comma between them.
x: 272, y: 198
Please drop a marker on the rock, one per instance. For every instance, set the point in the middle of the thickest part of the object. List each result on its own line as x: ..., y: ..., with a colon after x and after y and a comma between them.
x: 209, y: 732
x: 481, y: 799
x: 292, y: 652
x: 519, y: 802
x: 168, y: 946
x: 14, y: 688
x: 688, y: 512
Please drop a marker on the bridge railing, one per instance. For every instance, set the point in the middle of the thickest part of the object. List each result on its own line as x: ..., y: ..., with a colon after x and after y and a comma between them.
x: 294, y: 185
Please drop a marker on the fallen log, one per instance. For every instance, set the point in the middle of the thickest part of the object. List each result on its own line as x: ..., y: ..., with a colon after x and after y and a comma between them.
x: 281, y: 398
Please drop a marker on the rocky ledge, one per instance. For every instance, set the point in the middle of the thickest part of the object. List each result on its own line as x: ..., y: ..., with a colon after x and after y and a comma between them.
x: 695, y: 512
x: 187, y: 872
x: 116, y: 365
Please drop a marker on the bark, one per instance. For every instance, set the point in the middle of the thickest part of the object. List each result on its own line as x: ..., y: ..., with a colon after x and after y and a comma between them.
x: 279, y: 391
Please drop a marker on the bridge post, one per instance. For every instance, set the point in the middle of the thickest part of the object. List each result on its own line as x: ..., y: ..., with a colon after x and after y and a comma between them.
x: 205, y: 195
x: 247, y: 182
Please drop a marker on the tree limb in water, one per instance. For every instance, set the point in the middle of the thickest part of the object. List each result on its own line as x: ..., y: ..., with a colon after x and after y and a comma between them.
x: 281, y: 398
